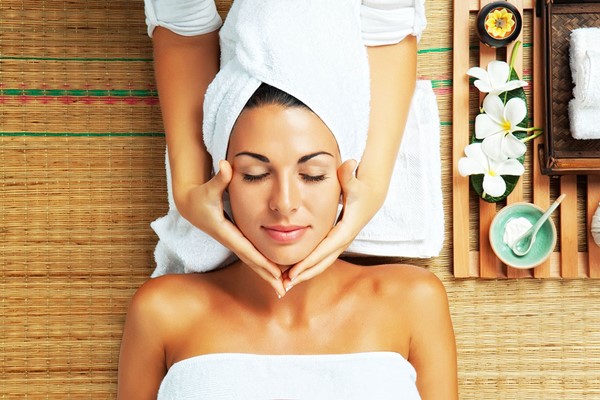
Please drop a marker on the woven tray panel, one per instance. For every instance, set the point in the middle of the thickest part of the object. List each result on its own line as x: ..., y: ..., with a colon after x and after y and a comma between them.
x: 562, y: 84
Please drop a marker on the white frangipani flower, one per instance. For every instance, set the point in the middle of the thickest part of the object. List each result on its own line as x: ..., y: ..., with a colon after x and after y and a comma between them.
x: 496, y: 79
x: 497, y: 124
x: 476, y: 162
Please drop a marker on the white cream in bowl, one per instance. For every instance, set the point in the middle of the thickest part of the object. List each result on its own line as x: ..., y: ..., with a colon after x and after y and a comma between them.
x: 514, y: 229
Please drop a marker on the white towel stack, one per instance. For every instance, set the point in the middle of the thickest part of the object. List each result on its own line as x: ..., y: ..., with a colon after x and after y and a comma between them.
x: 584, y: 108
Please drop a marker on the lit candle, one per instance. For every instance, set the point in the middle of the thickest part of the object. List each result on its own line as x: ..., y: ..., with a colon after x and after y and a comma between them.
x: 498, y: 23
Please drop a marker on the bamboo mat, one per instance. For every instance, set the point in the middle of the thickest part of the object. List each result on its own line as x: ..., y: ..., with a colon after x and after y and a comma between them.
x: 81, y: 152
x: 81, y: 174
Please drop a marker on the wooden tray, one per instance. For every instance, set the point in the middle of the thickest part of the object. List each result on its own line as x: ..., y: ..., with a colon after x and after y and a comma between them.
x: 562, y: 154
x: 569, y: 262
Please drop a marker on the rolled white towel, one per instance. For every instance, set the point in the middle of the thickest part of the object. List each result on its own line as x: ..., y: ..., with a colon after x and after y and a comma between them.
x: 585, y: 121
x: 584, y: 109
x: 587, y: 88
x: 582, y: 40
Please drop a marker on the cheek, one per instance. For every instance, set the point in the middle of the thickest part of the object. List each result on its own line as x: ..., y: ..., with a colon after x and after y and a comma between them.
x: 325, y: 201
x: 249, y: 202
x: 240, y: 198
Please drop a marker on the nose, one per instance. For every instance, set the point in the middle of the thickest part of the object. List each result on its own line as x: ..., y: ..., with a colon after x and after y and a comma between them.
x: 285, y: 196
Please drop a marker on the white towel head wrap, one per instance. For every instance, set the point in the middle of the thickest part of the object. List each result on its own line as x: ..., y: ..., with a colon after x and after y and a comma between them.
x: 311, y: 49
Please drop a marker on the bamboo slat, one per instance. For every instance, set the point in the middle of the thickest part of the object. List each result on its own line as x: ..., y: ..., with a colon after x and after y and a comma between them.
x: 490, y: 265
x: 541, y: 183
x: 517, y: 194
x: 593, y: 202
x: 568, y: 227
x: 460, y: 139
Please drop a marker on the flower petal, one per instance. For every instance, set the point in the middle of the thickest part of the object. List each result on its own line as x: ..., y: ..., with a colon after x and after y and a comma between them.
x: 468, y: 166
x: 485, y: 126
x: 498, y: 73
x: 515, y: 111
x: 492, y: 146
x: 494, y: 185
x: 512, y: 85
x: 478, y: 73
x: 513, y: 147
x: 475, y: 152
x: 509, y: 167
x: 483, y: 86
x: 494, y: 107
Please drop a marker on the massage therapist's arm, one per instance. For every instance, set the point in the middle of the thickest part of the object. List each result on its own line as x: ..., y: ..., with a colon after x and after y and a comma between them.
x: 184, y: 67
x: 393, y: 78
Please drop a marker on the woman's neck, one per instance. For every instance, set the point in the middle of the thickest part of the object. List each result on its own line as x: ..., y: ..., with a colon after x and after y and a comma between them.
x: 303, y: 301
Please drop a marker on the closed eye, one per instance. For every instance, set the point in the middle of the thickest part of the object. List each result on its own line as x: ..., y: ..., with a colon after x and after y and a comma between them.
x: 312, y: 178
x: 254, y: 178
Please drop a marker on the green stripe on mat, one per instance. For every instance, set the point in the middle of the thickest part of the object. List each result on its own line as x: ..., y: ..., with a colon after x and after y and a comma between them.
x: 438, y: 83
x: 79, y: 92
x: 447, y: 49
x: 434, y: 50
x: 82, y: 134
x: 449, y: 123
x: 76, y: 59
x: 87, y: 59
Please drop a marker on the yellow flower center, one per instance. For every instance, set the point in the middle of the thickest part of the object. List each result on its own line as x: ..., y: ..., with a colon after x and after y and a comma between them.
x: 506, y: 126
x: 500, y: 23
x: 491, y: 172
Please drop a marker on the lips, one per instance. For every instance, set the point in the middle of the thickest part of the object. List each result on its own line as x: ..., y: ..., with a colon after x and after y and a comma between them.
x: 285, y: 234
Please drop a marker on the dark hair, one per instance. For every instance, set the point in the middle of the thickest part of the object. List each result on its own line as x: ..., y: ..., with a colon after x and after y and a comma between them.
x: 270, y: 95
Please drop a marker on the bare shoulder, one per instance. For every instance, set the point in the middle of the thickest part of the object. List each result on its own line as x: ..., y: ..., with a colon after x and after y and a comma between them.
x: 164, y: 299
x: 406, y: 281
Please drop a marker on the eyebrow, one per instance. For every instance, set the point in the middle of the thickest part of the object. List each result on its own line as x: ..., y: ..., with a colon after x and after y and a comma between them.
x: 301, y: 160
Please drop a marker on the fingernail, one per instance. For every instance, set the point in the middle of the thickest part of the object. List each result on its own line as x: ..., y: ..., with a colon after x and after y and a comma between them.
x: 288, y: 287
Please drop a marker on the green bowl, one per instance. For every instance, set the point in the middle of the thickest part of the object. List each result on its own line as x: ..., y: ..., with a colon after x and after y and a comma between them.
x: 544, y: 241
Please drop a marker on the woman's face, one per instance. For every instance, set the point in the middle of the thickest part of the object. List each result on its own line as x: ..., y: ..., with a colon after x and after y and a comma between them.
x: 284, y: 192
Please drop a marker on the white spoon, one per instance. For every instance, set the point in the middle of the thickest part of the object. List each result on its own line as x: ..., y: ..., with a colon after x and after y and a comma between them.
x: 523, y: 244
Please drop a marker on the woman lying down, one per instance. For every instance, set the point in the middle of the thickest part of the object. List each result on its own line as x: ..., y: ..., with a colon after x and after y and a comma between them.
x: 351, y: 332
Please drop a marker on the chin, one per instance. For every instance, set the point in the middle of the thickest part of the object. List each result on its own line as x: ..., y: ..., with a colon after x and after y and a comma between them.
x: 285, y: 258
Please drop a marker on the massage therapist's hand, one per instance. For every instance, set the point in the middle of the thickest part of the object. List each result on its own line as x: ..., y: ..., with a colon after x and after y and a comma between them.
x: 204, y: 209
x: 361, y: 203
